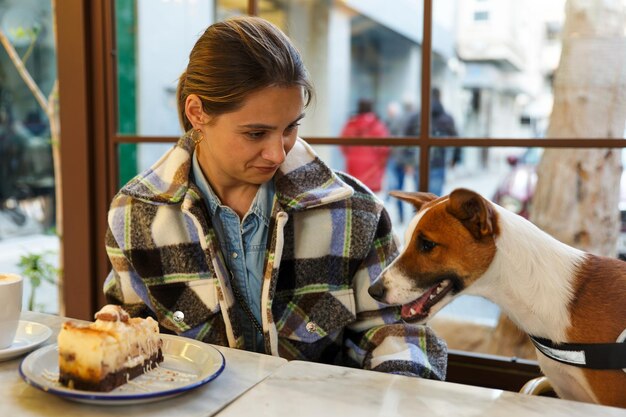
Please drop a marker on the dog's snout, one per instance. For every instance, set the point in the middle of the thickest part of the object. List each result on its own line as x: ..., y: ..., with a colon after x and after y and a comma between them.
x: 377, y: 290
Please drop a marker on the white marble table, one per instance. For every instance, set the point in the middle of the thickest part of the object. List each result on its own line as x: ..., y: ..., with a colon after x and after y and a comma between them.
x: 243, y: 370
x: 301, y: 389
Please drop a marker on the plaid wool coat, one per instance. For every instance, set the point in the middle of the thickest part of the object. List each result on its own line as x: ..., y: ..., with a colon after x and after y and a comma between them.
x: 329, y: 239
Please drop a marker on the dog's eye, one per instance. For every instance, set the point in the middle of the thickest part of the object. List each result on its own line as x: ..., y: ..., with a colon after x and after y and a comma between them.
x: 425, y: 245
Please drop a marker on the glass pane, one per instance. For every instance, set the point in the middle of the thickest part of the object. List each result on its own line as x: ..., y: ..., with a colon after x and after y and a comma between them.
x: 150, y: 59
x: 508, y: 177
x: 137, y: 157
x: 493, y: 65
x: 27, y: 186
x: 505, y: 175
x: 354, y: 50
x: 127, y: 162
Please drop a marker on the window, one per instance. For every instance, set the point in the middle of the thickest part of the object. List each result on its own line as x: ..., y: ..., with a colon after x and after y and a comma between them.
x: 486, y: 80
x: 28, y: 184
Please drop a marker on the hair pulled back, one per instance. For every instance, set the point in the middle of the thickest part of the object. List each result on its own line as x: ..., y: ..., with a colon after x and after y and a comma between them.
x: 234, y: 58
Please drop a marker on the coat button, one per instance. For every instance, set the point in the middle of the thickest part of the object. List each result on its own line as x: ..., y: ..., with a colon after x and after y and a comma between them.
x: 235, y: 255
x: 311, y: 327
x: 179, y: 316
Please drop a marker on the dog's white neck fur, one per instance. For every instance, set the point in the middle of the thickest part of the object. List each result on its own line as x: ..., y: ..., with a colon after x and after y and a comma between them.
x: 531, y: 277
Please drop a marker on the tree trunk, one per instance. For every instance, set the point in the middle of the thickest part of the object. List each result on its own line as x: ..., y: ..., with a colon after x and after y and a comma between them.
x: 577, y: 194
x: 55, y: 137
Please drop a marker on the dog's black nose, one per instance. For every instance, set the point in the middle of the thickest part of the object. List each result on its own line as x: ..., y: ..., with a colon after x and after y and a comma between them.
x: 377, y: 290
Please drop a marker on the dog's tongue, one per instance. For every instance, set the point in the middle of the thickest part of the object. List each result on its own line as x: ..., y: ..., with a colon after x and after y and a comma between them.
x: 415, y: 309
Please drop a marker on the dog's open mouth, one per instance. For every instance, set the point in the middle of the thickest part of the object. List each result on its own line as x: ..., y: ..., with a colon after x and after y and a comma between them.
x: 418, y: 310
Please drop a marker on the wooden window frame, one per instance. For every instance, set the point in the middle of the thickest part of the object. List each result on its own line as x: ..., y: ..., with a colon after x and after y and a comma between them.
x: 88, y: 116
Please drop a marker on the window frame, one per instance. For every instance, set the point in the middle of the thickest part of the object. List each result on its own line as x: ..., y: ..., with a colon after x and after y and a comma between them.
x: 88, y: 101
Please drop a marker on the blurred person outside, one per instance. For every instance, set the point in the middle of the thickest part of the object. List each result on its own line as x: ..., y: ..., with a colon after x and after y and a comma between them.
x: 442, y: 125
x: 367, y: 163
x: 395, y: 119
x: 403, y: 159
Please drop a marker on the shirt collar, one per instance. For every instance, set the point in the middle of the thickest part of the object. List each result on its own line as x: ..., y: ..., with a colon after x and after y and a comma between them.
x: 261, y: 205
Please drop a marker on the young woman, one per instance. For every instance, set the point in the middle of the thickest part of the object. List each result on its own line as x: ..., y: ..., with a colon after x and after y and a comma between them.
x: 241, y: 236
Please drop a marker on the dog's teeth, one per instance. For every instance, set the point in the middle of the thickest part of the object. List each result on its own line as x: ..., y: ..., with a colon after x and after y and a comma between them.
x: 439, y: 289
x: 431, y: 296
x: 412, y: 311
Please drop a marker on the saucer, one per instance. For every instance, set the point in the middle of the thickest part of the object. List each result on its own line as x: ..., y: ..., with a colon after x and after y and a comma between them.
x: 29, y: 335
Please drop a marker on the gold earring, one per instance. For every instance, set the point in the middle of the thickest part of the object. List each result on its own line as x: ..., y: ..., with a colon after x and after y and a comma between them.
x: 197, y: 136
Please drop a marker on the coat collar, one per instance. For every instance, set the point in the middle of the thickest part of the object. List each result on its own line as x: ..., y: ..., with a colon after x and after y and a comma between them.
x: 302, y: 181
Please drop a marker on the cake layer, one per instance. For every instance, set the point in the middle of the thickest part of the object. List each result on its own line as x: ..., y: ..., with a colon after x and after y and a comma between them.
x: 111, y: 380
x: 108, y: 352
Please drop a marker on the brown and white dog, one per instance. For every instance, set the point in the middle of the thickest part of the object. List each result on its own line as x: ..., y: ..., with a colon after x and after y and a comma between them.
x: 573, y: 303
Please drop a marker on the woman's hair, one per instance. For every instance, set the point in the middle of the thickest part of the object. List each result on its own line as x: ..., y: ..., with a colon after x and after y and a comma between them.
x: 235, y: 58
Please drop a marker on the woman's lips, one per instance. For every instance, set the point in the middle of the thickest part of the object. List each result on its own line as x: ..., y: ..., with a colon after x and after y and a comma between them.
x: 267, y: 170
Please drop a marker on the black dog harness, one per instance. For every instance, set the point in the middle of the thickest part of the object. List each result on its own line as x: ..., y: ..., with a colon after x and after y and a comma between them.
x: 584, y: 355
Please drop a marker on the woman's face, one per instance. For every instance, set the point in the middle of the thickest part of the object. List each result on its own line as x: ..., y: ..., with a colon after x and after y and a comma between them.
x: 247, y: 146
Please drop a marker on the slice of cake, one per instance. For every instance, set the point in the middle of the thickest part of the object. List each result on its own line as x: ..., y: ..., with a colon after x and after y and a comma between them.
x: 108, y: 353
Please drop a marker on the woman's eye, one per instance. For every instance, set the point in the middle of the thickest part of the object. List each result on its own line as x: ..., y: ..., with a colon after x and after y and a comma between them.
x: 255, y: 135
x: 426, y: 245
x: 292, y: 127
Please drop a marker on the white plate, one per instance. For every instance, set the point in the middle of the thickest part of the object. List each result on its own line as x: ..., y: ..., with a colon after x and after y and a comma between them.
x: 187, y: 364
x: 28, y: 336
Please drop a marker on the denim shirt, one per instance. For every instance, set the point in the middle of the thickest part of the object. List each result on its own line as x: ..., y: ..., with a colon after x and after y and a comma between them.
x: 243, y: 246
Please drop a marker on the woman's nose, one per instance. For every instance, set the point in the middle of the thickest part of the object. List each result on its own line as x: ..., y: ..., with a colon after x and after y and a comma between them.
x: 275, y: 150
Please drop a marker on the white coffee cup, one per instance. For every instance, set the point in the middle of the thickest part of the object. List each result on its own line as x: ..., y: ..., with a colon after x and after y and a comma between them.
x: 10, y: 307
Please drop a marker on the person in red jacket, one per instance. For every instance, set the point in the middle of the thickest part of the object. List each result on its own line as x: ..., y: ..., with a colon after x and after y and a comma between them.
x: 367, y: 163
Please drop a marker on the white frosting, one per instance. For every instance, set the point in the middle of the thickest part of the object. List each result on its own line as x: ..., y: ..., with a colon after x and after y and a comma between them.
x: 112, y: 312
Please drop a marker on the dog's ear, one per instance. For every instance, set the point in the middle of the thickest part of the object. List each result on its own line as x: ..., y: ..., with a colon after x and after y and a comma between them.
x: 476, y: 213
x: 417, y: 199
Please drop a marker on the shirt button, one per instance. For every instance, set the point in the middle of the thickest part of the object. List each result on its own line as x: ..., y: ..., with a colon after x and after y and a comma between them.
x: 179, y: 316
x: 311, y: 327
x: 234, y: 255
